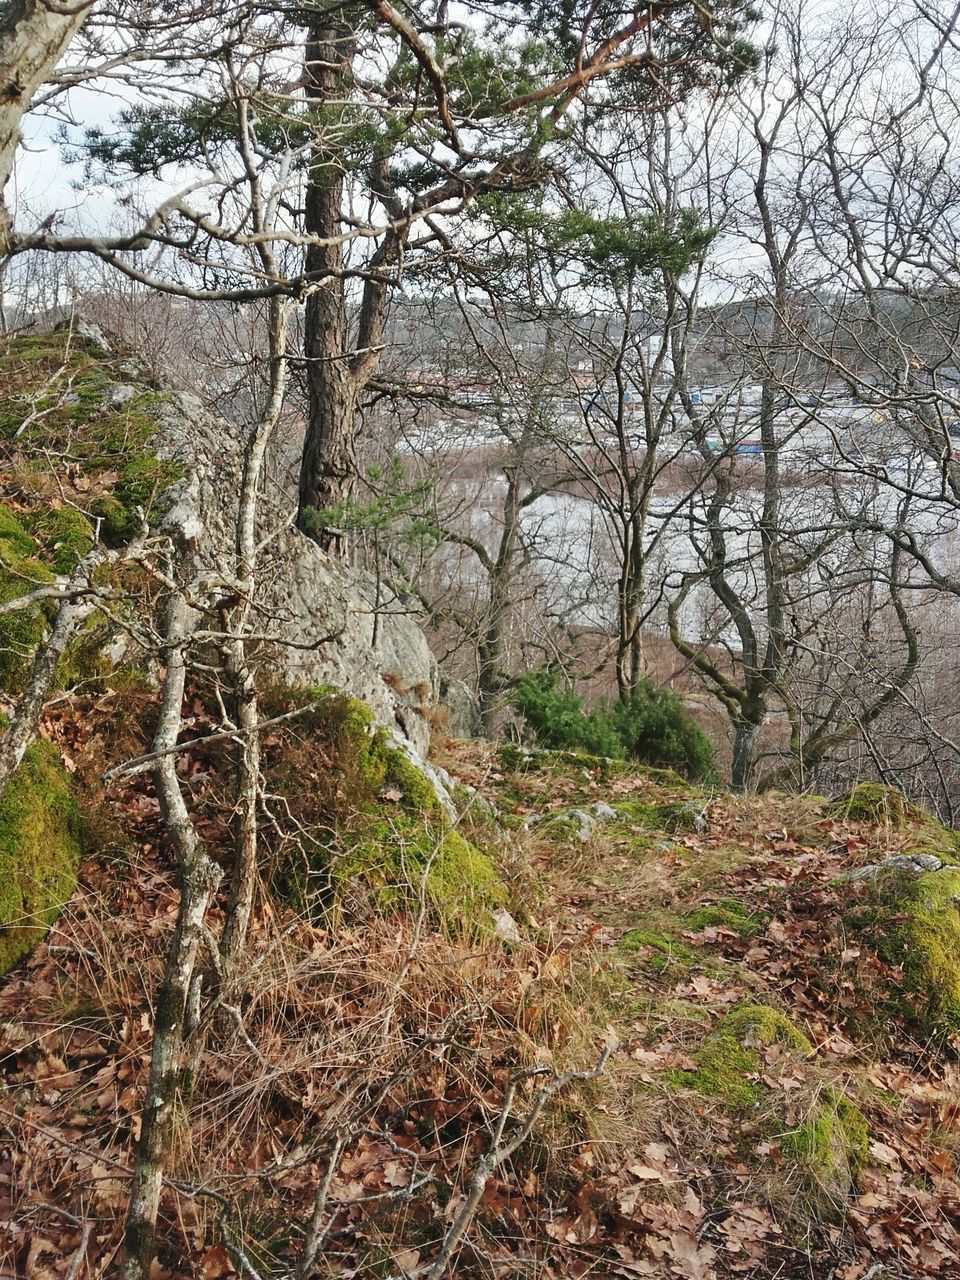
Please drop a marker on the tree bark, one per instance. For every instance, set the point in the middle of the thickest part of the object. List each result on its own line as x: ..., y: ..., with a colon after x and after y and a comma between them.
x: 71, y: 615
x: 198, y: 877
x: 745, y: 737
x: 327, y: 463
x: 34, y: 35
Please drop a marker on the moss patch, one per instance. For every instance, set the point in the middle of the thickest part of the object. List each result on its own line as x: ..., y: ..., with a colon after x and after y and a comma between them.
x: 20, y: 573
x: 672, y: 815
x: 874, y: 802
x: 381, y: 827
x: 727, y: 915
x: 831, y: 1144
x: 67, y: 385
x: 39, y: 851
x: 914, y: 922
x: 889, y: 809
x: 665, y: 950
x: 66, y: 534
x: 728, y: 1060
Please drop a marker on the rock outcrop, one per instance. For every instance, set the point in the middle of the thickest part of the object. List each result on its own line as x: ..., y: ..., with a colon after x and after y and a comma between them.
x: 327, y: 623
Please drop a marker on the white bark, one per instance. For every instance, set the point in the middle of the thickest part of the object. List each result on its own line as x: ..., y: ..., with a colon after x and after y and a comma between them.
x: 80, y: 602
x: 199, y: 877
x: 34, y: 35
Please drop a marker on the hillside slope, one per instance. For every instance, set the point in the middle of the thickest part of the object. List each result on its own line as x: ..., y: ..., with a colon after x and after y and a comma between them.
x: 779, y: 1090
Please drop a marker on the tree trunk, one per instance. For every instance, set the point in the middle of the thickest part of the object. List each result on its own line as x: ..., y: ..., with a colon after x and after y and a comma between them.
x: 629, y: 646
x: 745, y: 736
x: 326, y: 467
x: 501, y: 575
x: 34, y: 35
x: 198, y: 877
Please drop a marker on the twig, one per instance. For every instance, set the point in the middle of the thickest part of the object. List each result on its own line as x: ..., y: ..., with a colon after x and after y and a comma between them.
x: 140, y: 764
x: 497, y: 1153
x: 77, y: 1260
x: 315, y: 1236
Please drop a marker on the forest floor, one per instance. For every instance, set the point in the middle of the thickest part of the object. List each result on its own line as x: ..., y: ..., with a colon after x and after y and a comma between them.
x: 782, y: 1098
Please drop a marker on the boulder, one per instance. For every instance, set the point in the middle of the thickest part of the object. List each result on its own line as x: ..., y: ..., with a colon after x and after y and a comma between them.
x: 326, y: 622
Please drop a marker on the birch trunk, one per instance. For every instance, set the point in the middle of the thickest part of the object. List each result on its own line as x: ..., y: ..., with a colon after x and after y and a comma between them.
x: 199, y: 877
x: 34, y: 35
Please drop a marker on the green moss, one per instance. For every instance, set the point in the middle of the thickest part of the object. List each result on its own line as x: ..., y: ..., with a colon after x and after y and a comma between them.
x: 889, y: 808
x: 85, y: 663
x: 393, y: 835
x: 15, y: 541
x: 926, y: 940
x: 874, y: 802
x: 729, y: 1056
x: 39, y: 851
x: 67, y: 535
x: 23, y: 629
x: 727, y: 915
x: 462, y: 881
x: 931, y: 944
x: 667, y: 951
x: 832, y: 1144
x: 914, y: 922
x: 112, y: 443
x: 672, y: 815
x: 142, y: 479
x: 118, y: 523
x: 520, y: 759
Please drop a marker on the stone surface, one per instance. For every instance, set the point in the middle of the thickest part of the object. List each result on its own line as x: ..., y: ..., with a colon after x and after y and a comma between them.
x: 323, y: 622
x: 915, y: 863
x: 91, y: 333
x: 584, y: 819
x: 462, y: 709
x: 504, y: 925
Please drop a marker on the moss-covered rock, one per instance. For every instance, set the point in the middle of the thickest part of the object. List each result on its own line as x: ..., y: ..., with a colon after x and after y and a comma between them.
x: 104, y: 425
x: 831, y: 1143
x: 66, y: 535
x: 889, y: 809
x: 913, y: 922
x: 874, y: 802
x: 117, y: 523
x: 666, y: 814
x: 21, y: 572
x: 39, y: 851
x: 392, y: 837
x: 728, y: 1062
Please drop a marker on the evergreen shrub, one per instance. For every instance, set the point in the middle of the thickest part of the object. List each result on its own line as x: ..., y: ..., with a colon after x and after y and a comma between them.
x: 651, y: 726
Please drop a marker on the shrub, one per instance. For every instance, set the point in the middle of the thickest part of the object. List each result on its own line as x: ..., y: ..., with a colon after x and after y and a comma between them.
x: 655, y: 728
x: 558, y: 720
x: 652, y: 726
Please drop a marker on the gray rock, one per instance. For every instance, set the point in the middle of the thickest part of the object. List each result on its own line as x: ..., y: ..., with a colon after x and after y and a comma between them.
x: 585, y: 819
x: 91, y: 333
x: 915, y: 863
x: 119, y: 394
x: 504, y: 925
x: 324, y: 622
x: 462, y: 708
